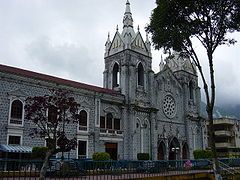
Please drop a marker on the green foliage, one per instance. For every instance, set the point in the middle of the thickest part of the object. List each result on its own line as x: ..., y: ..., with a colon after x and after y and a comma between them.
x: 101, y: 156
x: 235, y: 155
x: 39, y: 152
x: 202, y: 154
x: 143, y: 156
x: 174, y: 23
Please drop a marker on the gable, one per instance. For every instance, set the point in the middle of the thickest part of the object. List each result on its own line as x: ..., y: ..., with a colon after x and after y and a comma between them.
x: 117, y: 44
x: 167, y: 79
x: 138, y: 43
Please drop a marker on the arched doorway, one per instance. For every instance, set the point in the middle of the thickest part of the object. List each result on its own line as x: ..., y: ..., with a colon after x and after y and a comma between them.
x: 161, y: 151
x: 174, y: 149
x: 185, y: 152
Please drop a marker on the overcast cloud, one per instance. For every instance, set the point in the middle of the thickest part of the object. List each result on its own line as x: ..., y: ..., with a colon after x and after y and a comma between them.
x: 66, y: 38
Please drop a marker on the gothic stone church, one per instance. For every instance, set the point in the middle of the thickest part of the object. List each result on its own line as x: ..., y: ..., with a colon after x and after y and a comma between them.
x: 136, y: 110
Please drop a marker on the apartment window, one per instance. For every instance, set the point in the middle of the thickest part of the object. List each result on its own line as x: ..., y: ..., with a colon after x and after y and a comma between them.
x: 16, y: 112
x: 14, y: 140
x: 83, y: 120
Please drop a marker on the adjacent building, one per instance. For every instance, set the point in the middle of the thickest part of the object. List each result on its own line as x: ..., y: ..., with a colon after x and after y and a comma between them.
x: 227, y: 133
x: 137, y: 110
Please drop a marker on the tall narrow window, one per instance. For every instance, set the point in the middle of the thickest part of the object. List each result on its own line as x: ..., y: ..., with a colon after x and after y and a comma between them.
x: 16, y: 112
x: 109, y: 121
x: 191, y: 90
x: 52, y: 114
x: 140, y: 74
x: 82, y: 149
x: 117, y: 124
x: 102, y: 122
x: 83, y: 120
x: 116, y: 75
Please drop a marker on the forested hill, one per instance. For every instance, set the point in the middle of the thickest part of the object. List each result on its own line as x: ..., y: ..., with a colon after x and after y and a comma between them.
x: 220, y: 112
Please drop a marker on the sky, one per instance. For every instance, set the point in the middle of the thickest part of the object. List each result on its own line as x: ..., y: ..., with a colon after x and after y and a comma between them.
x: 66, y: 38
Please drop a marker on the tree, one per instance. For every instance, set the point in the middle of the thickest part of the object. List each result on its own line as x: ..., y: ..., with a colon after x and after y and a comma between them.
x: 177, y: 25
x: 50, y: 113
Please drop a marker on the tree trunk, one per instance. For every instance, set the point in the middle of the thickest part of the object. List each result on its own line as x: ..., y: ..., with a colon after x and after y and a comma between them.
x: 210, y: 106
x: 45, y: 165
x: 212, y: 143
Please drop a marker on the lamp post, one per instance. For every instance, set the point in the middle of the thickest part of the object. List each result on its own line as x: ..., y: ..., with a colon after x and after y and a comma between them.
x: 175, y: 150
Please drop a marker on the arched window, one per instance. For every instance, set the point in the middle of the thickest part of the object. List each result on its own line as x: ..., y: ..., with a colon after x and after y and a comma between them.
x: 83, y: 118
x: 116, y: 76
x: 140, y: 74
x: 16, y: 112
x: 191, y: 90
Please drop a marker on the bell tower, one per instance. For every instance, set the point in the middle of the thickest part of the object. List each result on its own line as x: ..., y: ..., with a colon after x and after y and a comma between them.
x: 128, y: 59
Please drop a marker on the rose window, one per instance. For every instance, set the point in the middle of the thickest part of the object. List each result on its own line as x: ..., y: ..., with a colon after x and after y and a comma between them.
x: 169, y: 107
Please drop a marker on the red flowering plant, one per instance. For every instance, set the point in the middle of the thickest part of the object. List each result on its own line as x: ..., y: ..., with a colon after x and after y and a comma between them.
x: 51, y: 113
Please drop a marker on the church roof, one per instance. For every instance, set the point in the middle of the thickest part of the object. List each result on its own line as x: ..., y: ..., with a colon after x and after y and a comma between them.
x: 46, y: 77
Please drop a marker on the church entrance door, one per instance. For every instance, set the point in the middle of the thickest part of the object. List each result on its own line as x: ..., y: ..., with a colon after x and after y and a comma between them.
x: 112, y: 149
x: 174, y: 149
x: 161, y: 151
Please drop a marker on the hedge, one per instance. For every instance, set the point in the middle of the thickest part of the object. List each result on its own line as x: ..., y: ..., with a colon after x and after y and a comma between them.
x: 202, y: 154
x: 143, y: 156
x: 101, y: 156
x: 39, y: 152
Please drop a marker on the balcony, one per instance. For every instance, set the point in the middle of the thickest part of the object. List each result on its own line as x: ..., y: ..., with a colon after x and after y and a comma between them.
x: 112, y: 132
x: 224, y: 121
x: 224, y: 133
x: 224, y: 145
x: 16, y: 121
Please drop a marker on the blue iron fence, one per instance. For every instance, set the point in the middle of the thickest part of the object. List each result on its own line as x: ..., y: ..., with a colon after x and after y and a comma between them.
x: 122, y: 169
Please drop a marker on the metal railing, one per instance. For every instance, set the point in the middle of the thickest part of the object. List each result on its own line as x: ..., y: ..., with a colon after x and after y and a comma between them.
x: 89, y: 169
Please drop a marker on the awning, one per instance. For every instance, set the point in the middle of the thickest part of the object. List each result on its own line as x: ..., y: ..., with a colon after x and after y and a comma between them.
x: 15, y: 149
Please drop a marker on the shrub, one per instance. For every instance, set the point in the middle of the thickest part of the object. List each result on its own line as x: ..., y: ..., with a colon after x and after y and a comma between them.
x: 202, y: 154
x: 39, y: 152
x: 101, y: 156
x: 143, y: 156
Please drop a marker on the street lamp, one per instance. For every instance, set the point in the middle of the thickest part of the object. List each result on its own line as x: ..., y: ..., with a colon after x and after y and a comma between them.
x: 175, y: 150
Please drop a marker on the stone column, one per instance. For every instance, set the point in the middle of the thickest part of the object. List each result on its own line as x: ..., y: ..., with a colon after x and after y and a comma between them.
x: 153, y: 135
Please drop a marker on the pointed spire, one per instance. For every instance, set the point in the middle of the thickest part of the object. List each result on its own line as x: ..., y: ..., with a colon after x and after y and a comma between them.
x: 127, y: 19
x: 138, y: 28
x: 108, y: 39
x: 117, y: 28
x: 107, y: 44
x: 147, y: 39
x: 128, y: 9
x: 161, y: 65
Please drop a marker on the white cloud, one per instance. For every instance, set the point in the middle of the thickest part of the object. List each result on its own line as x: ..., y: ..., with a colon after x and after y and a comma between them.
x: 66, y: 39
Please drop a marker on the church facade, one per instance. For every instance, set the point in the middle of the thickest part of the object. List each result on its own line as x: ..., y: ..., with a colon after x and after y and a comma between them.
x: 136, y: 111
